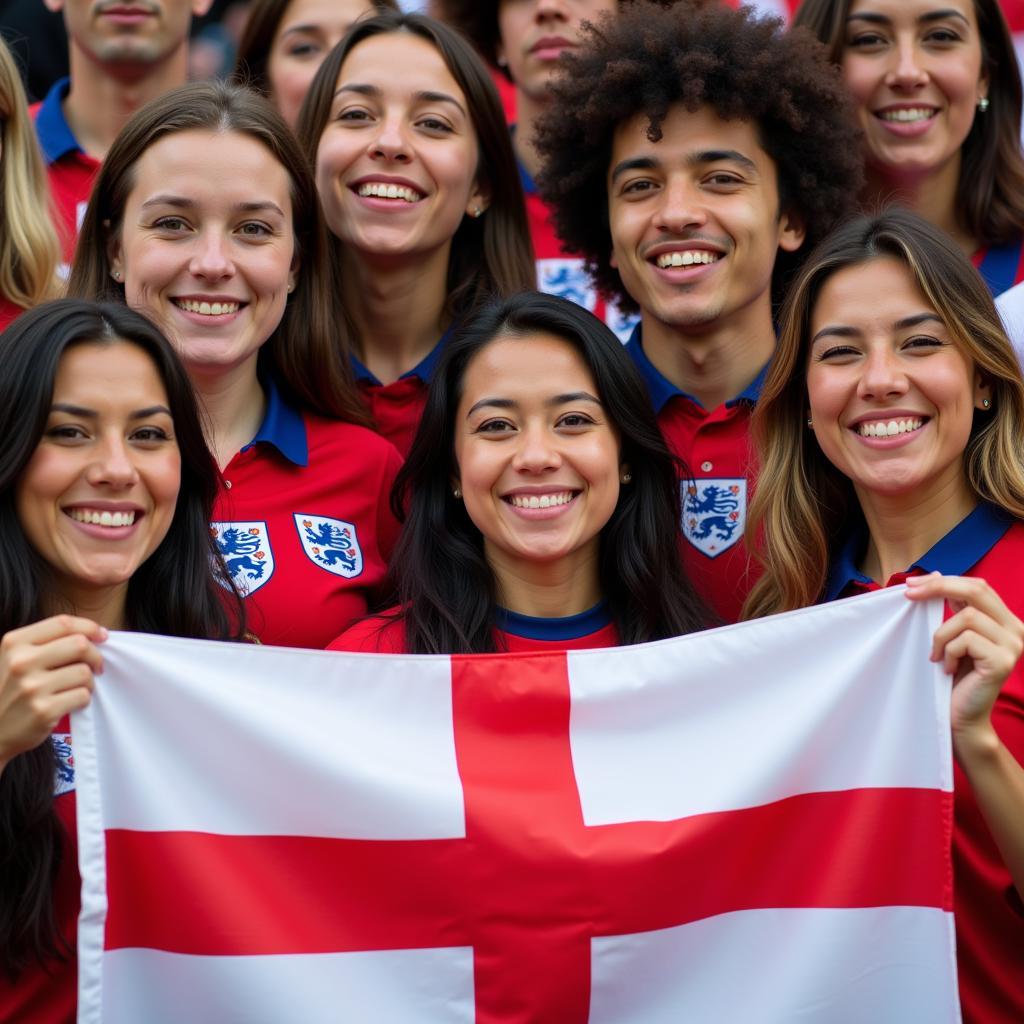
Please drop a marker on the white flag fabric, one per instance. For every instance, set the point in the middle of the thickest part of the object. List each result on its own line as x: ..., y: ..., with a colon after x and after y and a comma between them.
x: 750, y: 824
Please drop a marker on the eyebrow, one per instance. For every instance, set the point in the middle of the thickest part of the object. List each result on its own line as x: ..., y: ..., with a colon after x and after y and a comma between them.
x: 882, y: 19
x: 92, y: 414
x: 508, y: 403
x: 423, y: 96
x: 843, y: 331
x: 184, y: 203
x: 300, y: 28
x: 705, y: 156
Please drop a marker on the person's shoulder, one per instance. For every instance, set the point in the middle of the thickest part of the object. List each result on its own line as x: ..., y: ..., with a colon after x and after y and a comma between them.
x: 377, y: 634
x: 360, y: 440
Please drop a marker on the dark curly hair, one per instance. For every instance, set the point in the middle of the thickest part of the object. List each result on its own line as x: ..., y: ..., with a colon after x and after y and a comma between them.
x: 650, y: 58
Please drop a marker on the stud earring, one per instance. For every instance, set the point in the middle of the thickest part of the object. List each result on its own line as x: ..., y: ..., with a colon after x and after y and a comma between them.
x: 810, y: 422
x: 116, y: 275
x: 982, y: 104
x: 985, y: 403
x: 627, y: 478
x: 456, y: 493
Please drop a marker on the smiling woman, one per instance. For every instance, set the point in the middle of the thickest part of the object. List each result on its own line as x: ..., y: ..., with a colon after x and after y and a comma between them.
x: 539, y: 497
x: 889, y: 437
x: 205, y: 216
x: 106, y: 488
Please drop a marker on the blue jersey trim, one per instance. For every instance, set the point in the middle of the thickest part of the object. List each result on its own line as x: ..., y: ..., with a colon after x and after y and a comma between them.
x: 999, y: 267
x: 52, y: 129
x: 568, y: 627
x: 954, y: 555
x: 283, y: 427
x: 423, y: 370
x: 661, y: 389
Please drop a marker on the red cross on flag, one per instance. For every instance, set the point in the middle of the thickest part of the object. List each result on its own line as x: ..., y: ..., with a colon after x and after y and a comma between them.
x: 750, y: 824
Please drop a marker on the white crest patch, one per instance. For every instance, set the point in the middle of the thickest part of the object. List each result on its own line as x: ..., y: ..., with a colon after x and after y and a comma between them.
x: 64, y: 777
x: 330, y: 543
x: 568, y: 279
x: 714, y: 512
x: 246, y: 550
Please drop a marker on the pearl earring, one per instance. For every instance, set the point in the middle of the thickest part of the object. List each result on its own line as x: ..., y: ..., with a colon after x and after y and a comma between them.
x: 456, y: 493
x: 982, y: 104
x: 116, y: 275
x: 627, y: 478
x: 985, y: 403
x: 810, y: 422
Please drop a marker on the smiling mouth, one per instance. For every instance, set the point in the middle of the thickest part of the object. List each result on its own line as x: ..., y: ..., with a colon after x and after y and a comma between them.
x: 907, y: 115
x: 540, y: 500
x: 207, y: 308
x: 387, y: 190
x: 890, y: 428
x: 95, y: 517
x: 686, y: 258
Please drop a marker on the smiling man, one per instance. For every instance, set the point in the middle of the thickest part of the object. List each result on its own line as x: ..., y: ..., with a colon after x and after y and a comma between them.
x: 692, y: 155
x: 123, y: 53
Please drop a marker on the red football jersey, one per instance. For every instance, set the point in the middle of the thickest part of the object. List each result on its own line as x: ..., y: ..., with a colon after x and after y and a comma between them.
x: 304, y: 524
x: 987, y: 909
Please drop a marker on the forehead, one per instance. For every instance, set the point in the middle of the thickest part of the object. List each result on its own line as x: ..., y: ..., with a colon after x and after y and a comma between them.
x: 537, y: 365
x: 322, y: 13
x: 400, y: 62
x: 108, y: 375
x: 913, y: 10
x: 685, y: 135
x: 869, y: 296
x: 203, y: 164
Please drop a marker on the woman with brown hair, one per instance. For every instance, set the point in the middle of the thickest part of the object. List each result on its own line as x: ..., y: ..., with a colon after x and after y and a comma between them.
x: 937, y: 90
x: 29, y: 252
x: 889, y: 435
x: 421, y: 193
x: 205, y: 217
x: 285, y: 41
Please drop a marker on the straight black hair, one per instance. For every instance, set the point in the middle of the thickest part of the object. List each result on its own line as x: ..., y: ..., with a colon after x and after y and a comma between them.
x: 445, y: 587
x: 174, y: 592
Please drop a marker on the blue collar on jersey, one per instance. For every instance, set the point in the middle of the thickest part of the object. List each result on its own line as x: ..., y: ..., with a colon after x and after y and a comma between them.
x: 999, y: 267
x: 568, y: 627
x: 283, y: 427
x: 961, y: 549
x: 525, y: 178
x: 661, y: 389
x: 52, y: 129
x: 423, y: 370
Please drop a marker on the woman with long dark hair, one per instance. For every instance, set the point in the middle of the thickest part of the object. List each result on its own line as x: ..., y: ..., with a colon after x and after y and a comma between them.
x: 539, y: 499
x: 421, y: 193
x: 205, y: 217
x: 889, y: 434
x: 106, y: 489
x: 937, y: 90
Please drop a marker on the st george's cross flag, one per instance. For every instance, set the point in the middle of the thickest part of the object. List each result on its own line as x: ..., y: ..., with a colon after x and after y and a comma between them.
x: 750, y: 824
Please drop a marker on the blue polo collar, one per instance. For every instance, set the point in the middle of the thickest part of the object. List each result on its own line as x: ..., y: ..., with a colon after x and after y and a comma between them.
x: 423, y: 370
x: 283, y: 427
x: 568, y: 627
x: 959, y: 551
x: 661, y: 389
x: 52, y: 129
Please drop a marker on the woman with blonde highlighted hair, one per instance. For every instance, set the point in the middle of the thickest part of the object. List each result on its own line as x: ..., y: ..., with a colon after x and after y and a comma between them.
x: 29, y: 252
x: 891, y: 438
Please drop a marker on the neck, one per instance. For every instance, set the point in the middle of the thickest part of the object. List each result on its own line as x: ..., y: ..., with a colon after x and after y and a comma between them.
x: 902, y: 528
x: 234, y: 404
x: 528, y: 111
x: 547, y: 590
x: 932, y: 195
x: 713, y: 362
x: 398, y: 310
x: 104, y: 96
x: 104, y: 605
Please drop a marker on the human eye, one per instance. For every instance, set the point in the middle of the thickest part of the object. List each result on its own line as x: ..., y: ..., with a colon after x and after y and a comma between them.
x: 943, y: 35
x: 638, y: 187
x: 866, y: 39
x: 495, y: 426
x: 150, y: 435
x: 254, y: 229
x: 922, y: 341
x: 172, y: 225
x: 435, y: 124
x: 836, y: 353
x: 302, y: 50
x: 353, y: 115
x: 723, y: 179
x: 66, y: 432
x: 575, y: 421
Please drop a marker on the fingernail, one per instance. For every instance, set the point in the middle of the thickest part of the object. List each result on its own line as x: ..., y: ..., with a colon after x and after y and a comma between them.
x: 104, y: 632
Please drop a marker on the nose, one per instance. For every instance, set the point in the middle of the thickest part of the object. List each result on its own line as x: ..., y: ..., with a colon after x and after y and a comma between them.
x: 113, y: 465
x: 536, y: 452
x: 882, y: 376
x: 546, y: 10
x: 390, y: 141
x: 681, y: 208
x: 211, y: 258
x: 907, y: 70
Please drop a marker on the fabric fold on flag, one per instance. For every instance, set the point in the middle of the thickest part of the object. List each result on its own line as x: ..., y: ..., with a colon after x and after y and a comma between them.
x: 752, y: 823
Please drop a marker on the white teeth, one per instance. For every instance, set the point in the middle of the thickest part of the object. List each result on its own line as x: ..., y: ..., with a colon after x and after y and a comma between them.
x: 881, y: 428
x: 687, y: 258
x: 540, y: 500
x: 207, y: 308
x: 84, y: 515
x: 913, y: 114
x: 385, y: 190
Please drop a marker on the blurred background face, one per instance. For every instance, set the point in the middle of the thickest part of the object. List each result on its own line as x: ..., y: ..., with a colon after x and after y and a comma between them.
x: 307, y: 32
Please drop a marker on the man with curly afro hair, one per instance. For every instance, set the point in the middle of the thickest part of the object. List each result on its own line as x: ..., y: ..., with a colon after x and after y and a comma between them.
x: 691, y: 155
